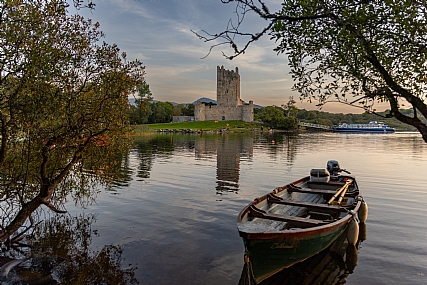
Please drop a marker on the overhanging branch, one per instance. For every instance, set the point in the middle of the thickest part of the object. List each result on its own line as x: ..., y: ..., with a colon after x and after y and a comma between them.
x: 233, y: 30
x: 53, y: 208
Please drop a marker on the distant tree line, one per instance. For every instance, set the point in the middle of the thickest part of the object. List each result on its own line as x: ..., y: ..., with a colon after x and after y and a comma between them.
x: 147, y: 111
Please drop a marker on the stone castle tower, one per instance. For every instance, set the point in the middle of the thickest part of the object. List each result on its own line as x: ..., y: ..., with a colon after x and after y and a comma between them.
x: 229, y: 105
x: 228, y: 87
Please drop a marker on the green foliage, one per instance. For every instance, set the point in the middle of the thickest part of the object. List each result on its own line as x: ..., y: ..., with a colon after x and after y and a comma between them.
x: 177, y: 110
x: 183, y: 110
x: 141, y: 112
x: 162, y: 112
x: 188, y: 110
x: 290, y: 109
x: 333, y: 52
x: 275, y: 117
x: 288, y: 123
x: 63, y: 94
x: 146, y: 110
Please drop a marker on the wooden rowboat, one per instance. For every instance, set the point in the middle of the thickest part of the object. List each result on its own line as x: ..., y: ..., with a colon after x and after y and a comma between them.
x: 298, y: 220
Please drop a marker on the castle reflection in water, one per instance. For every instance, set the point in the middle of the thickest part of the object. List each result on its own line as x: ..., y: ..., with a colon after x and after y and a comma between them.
x: 229, y: 150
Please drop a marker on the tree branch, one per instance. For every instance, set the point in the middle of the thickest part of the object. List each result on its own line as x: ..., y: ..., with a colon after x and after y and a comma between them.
x: 53, y: 208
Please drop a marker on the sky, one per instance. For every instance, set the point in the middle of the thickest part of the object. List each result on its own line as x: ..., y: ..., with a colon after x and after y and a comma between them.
x: 179, y: 67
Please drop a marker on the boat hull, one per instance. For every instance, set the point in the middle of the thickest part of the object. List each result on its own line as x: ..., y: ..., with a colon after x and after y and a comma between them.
x: 362, y: 130
x: 269, y: 256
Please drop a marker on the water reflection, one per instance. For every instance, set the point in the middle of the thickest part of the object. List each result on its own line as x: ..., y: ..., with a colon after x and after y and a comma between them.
x: 331, y: 266
x: 149, y: 148
x: 281, y: 144
x: 228, y: 150
x: 58, y: 251
x: 122, y: 171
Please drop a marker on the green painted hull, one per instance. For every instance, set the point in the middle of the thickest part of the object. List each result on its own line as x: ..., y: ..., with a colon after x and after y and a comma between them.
x: 269, y: 256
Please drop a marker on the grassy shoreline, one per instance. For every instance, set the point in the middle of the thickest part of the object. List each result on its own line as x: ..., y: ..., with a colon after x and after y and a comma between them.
x: 205, y: 126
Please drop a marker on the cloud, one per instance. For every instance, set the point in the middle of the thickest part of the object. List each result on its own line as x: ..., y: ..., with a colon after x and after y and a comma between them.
x: 160, y: 34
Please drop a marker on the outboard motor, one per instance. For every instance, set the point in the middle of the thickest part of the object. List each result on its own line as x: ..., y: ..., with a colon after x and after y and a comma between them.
x: 333, y: 167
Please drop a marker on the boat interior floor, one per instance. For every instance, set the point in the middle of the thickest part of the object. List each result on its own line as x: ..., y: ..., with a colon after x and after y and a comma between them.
x: 296, y: 221
x: 273, y: 199
x: 293, y: 188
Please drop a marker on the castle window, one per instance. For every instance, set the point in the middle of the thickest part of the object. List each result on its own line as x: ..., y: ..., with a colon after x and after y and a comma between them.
x: 223, y: 118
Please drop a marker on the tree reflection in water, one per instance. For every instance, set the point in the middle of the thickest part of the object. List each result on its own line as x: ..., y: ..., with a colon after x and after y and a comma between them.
x: 59, y: 251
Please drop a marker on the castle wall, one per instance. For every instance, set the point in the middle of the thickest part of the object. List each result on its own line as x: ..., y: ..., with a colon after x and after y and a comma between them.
x: 248, y: 112
x: 200, y: 112
x: 211, y: 113
x: 230, y: 113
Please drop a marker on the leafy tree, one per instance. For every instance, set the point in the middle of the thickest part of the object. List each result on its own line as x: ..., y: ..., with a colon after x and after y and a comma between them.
x: 145, y: 101
x: 162, y: 112
x: 188, y: 110
x: 63, y: 94
x: 178, y: 109
x: 290, y: 108
x: 257, y: 112
x: 289, y: 123
x: 140, y: 113
x: 270, y: 114
x: 183, y: 110
x: 354, y: 52
x: 275, y: 117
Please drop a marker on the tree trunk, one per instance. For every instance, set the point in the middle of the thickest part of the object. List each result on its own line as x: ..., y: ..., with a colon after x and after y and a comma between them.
x: 25, y: 212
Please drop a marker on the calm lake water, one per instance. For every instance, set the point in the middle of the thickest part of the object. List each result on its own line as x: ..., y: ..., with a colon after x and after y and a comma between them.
x: 174, y: 215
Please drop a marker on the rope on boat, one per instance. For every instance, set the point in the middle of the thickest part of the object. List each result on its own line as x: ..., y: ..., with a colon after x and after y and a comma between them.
x: 247, y: 274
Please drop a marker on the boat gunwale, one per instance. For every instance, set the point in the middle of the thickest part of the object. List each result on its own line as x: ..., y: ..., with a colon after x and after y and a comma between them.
x: 302, y: 232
